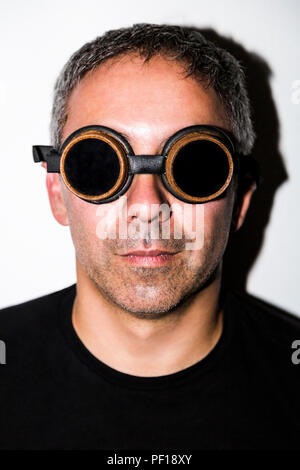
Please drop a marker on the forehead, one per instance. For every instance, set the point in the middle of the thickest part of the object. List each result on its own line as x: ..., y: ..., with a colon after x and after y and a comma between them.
x: 128, y: 93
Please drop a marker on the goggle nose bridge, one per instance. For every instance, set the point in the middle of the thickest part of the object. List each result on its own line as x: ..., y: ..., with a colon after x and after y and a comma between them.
x: 145, y: 164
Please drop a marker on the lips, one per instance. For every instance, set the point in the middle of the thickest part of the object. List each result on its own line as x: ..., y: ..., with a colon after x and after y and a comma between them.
x: 149, y: 253
x: 149, y: 258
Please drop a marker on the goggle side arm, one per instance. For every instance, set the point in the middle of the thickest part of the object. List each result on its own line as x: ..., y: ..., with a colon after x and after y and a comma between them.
x: 46, y: 153
x: 249, y: 167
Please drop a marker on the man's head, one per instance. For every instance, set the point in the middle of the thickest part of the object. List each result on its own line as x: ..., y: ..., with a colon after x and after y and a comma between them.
x: 147, y: 82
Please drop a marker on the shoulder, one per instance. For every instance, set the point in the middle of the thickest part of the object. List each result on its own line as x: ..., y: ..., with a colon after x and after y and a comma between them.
x: 26, y: 316
x: 264, y: 362
x: 270, y: 319
x: 265, y: 331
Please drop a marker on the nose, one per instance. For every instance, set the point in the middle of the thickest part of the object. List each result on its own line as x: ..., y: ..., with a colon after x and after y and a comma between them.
x: 147, y: 199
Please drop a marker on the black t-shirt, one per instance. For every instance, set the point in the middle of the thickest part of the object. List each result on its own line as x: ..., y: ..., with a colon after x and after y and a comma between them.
x: 54, y: 394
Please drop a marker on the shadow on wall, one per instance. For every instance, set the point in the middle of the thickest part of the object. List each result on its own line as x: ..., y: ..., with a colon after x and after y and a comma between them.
x: 245, y: 244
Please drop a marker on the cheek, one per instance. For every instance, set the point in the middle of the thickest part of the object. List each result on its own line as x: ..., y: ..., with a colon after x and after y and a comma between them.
x: 90, y: 223
x: 82, y: 216
x: 204, y: 219
x: 217, y: 220
x: 219, y: 211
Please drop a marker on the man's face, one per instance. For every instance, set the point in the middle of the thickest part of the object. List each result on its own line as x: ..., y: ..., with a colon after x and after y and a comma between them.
x: 147, y: 103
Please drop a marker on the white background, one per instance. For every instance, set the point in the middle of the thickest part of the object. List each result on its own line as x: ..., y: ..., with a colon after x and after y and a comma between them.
x: 36, y: 39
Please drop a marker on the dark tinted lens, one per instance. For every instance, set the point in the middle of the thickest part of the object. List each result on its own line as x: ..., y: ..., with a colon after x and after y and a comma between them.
x: 200, y: 168
x: 92, y: 167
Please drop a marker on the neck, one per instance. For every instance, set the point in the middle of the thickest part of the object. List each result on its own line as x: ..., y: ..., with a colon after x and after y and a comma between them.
x: 144, y: 347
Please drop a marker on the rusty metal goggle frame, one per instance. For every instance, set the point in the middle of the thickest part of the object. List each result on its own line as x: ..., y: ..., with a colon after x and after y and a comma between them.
x: 98, y: 164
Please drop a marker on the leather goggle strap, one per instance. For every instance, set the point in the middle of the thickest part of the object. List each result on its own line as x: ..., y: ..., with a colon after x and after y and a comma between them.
x: 249, y: 168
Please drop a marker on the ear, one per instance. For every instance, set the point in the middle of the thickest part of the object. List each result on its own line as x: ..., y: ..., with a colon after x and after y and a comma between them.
x: 56, y: 199
x: 241, y: 206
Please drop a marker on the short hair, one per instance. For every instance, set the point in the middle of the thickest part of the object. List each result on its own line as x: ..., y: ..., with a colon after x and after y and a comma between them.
x: 201, y: 58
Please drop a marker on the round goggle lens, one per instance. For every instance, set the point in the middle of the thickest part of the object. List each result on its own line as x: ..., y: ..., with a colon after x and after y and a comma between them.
x: 92, y: 167
x: 200, y: 168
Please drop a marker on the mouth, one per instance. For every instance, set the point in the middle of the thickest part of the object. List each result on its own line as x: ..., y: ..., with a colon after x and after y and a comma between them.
x: 149, y: 258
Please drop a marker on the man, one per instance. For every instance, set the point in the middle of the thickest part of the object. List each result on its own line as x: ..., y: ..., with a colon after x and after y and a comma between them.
x: 151, y: 129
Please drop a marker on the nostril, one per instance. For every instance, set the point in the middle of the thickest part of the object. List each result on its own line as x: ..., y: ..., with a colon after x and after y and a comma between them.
x: 154, y: 212
x: 161, y: 212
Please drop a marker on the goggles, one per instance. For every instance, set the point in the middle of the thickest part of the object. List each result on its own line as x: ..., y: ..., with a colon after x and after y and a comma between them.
x: 196, y: 164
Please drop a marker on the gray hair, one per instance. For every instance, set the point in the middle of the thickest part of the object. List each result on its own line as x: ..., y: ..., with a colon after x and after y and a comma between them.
x: 201, y: 58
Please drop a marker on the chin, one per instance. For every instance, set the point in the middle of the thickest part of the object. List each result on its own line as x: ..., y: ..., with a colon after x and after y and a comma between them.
x: 148, y: 312
x: 143, y: 306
